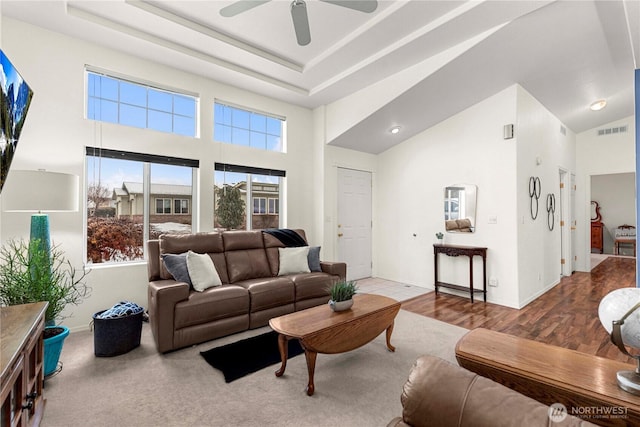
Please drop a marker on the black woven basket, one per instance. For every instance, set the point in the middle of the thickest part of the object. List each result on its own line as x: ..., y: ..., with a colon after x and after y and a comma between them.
x: 119, y: 335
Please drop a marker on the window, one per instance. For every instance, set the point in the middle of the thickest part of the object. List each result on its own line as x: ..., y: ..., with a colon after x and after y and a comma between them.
x: 259, y: 205
x: 235, y: 185
x: 181, y: 206
x: 114, y: 100
x: 130, y: 197
x: 274, y: 206
x: 163, y: 206
x: 239, y: 126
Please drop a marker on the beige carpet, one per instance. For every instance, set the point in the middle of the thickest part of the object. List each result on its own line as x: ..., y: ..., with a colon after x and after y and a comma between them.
x: 144, y: 388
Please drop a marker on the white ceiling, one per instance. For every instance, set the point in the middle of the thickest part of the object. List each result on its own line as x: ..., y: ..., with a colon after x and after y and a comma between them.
x: 567, y: 54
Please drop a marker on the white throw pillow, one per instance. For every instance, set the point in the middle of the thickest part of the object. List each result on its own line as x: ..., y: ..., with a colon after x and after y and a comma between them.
x: 202, y: 272
x: 293, y: 260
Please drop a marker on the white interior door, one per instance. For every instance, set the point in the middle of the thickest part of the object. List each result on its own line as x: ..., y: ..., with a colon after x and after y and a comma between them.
x: 354, y: 222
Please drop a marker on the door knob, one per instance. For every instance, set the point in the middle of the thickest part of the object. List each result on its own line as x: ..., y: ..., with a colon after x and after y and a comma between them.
x: 340, y: 234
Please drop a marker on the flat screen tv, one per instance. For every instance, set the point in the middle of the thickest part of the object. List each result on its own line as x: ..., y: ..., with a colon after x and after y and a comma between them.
x: 15, y: 101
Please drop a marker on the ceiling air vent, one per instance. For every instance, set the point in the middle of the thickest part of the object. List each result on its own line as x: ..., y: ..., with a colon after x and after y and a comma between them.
x: 612, y: 131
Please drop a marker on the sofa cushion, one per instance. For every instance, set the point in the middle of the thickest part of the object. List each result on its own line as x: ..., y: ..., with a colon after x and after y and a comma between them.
x: 314, y: 258
x: 214, y: 303
x: 269, y: 292
x: 245, y: 255
x: 202, y: 272
x: 271, y: 245
x: 312, y: 285
x: 293, y: 260
x: 176, y: 265
x: 210, y: 243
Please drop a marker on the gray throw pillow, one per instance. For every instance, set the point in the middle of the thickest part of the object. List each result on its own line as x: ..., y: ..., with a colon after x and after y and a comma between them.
x: 314, y: 258
x: 177, y: 265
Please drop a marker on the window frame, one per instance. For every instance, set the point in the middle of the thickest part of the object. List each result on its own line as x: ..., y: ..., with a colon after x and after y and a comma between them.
x: 149, y: 87
x: 164, y: 205
x: 262, y: 203
x: 147, y: 160
x: 249, y: 171
x: 234, y: 127
x: 180, y: 210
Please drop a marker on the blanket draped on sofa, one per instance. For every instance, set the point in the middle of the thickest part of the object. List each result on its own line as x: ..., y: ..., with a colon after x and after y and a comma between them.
x: 289, y: 238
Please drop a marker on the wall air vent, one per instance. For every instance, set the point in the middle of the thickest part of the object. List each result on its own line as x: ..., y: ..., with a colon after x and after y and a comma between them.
x: 563, y: 130
x: 613, y: 131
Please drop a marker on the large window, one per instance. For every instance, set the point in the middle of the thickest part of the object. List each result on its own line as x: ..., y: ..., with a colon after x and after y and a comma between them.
x: 115, y: 100
x: 134, y: 197
x: 247, y: 197
x: 239, y: 126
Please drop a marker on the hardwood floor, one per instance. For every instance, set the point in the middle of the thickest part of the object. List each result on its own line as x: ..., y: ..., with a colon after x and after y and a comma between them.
x: 566, y: 316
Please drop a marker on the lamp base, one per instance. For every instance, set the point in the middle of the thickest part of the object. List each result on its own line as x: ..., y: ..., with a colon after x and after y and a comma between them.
x: 629, y: 381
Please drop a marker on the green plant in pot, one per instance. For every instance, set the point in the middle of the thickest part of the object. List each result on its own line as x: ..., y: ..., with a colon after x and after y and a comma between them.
x: 342, y: 293
x: 31, y: 272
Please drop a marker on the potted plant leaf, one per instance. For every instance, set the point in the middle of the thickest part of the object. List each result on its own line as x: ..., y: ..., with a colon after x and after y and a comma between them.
x: 342, y: 293
x: 30, y: 272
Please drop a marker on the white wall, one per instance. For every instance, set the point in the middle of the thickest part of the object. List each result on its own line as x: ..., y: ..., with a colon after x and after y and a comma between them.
x: 55, y: 134
x: 467, y: 148
x: 539, y: 140
x: 599, y: 155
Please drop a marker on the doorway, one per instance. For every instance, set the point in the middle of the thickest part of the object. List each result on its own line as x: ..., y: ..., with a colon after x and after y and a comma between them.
x: 355, y: 222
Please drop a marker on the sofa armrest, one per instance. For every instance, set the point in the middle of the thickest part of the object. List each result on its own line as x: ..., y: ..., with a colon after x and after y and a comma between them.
x: 334, y: 268
x: 439, y: 393
x: 163, y: 295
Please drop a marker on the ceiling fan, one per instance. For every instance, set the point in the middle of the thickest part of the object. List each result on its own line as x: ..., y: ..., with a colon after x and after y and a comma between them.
x: 299, y: 13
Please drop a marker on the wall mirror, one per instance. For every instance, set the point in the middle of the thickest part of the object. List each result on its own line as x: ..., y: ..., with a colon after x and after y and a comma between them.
x: 460, y: 208
x: 595, y: 212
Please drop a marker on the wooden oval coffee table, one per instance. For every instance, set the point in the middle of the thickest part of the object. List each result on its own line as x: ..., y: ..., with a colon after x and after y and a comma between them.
x: 321, y: 330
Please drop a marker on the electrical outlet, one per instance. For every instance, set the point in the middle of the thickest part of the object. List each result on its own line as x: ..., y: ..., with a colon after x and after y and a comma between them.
x: 493, y: 281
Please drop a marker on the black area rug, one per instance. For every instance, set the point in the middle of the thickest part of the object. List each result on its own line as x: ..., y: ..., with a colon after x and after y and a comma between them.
x: 241, y: 358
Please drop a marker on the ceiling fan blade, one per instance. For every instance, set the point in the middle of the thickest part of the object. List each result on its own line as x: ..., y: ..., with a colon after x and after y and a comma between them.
x: 240, y: 6
x: 366, y: 6
x: 300, y: 22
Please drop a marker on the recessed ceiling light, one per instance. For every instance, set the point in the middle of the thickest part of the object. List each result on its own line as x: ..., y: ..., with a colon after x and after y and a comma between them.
x: 598, y: 105
x: 394, y: 130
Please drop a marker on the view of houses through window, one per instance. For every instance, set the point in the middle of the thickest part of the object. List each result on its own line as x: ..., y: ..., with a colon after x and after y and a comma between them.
x: 118, y: 189
x: 247, y: 195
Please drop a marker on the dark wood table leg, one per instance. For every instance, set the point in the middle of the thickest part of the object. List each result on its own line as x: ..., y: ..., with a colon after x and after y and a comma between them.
x: 311, y: 367
x: 471, y: 277
x: 389, y: 331
x: 283, y: 346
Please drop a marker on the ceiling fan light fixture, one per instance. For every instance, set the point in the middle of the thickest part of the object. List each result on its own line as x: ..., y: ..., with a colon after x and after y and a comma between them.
x: 300, y: 22
x: 598, y: 105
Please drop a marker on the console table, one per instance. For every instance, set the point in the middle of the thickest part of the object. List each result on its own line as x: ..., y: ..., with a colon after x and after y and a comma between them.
x: 585, y: 384
x: 22, y: 364
x: 470, y: 251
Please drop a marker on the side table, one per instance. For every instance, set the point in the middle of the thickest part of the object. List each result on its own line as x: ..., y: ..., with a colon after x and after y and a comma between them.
x: 469, y: 251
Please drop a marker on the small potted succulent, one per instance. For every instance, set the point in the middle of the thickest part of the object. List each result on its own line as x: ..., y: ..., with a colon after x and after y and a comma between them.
x: 440, y: 237
x: 342, y: 293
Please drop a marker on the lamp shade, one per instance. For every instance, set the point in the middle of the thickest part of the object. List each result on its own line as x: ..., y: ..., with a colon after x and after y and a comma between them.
x: 614, y: 306
x: 40, y: 191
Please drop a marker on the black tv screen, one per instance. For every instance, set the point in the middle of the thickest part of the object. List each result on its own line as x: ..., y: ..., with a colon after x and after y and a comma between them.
x: 15, y: 101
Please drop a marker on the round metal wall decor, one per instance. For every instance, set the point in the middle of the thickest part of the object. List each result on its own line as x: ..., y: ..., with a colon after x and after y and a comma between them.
x: 534, y: 193
x: 551, y: 210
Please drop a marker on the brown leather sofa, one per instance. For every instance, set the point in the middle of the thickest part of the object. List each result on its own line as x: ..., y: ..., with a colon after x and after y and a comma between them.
x: 440, y: 394
x: 251, y: 292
